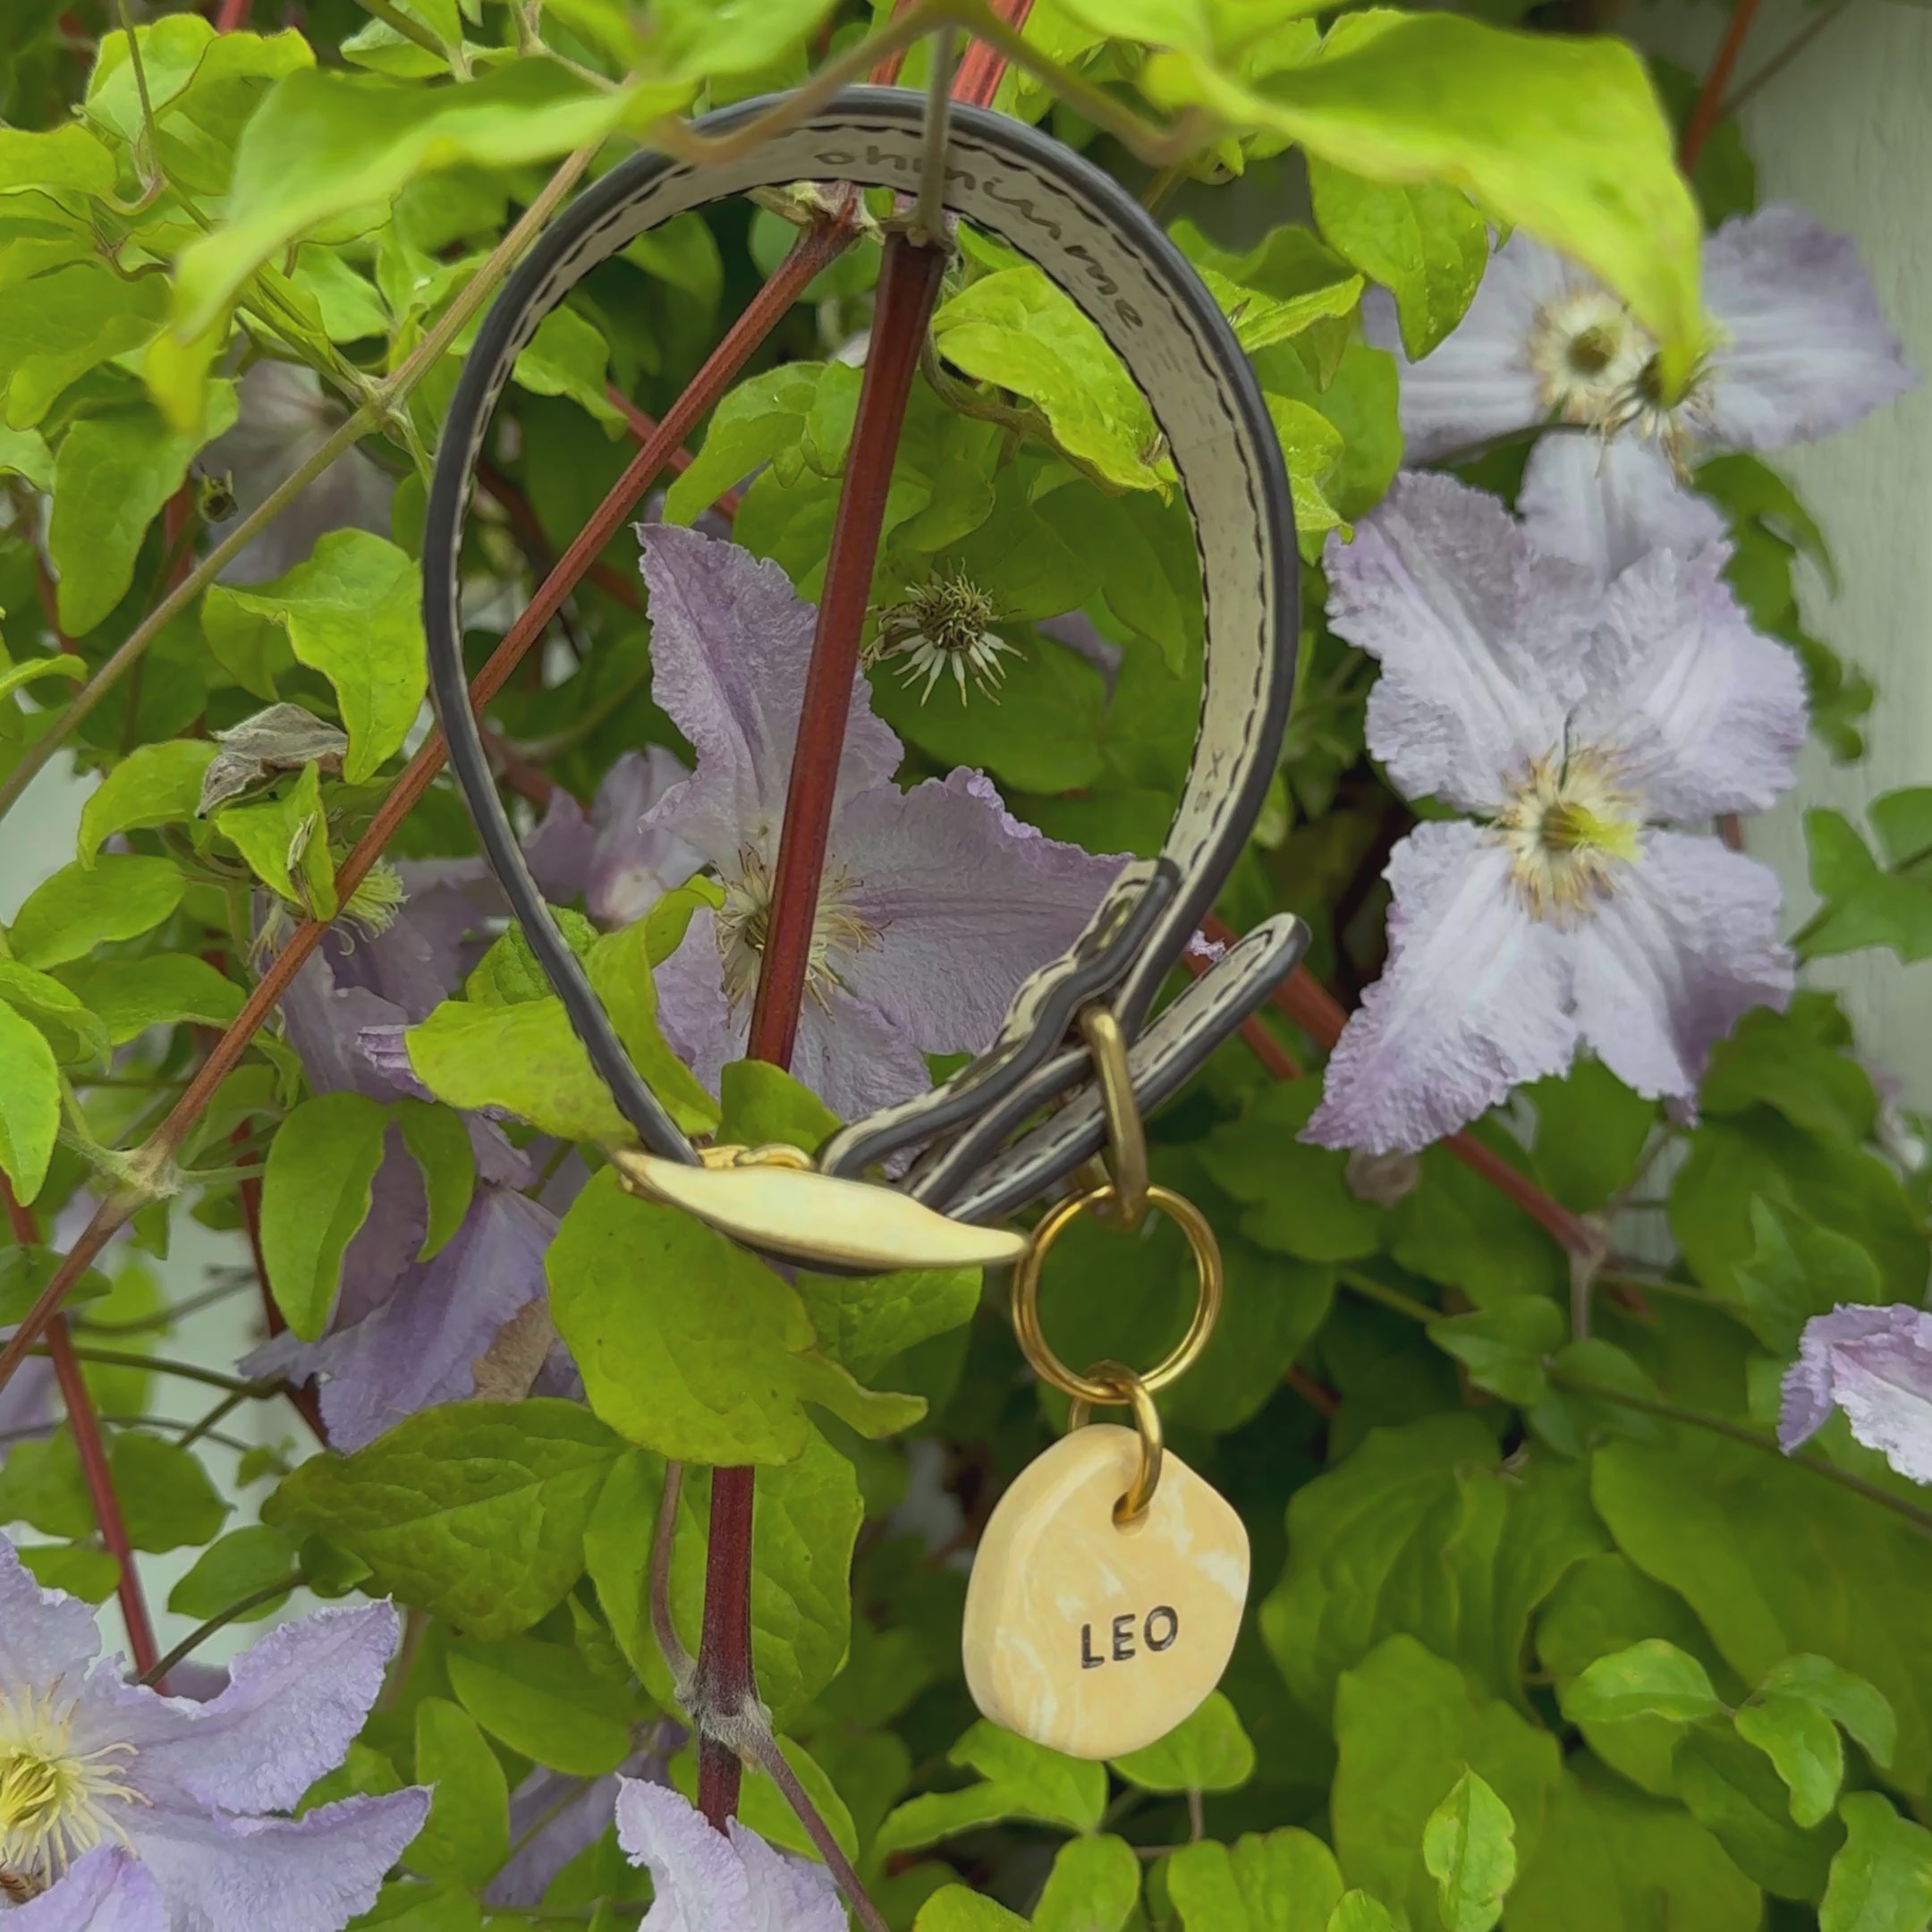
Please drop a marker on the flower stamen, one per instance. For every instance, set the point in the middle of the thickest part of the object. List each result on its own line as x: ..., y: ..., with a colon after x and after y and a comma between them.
x: 944, y: 625
x: 53, y: 1797
x: 1570, y: 828
x: 744, y: 929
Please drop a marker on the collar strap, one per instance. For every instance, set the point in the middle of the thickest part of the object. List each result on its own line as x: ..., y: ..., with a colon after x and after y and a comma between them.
x: 1101, y: 247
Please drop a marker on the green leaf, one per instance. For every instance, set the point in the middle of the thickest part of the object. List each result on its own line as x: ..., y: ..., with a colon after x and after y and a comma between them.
x: 1284, y: 287
x: 316, y: 1192
x: 80, y: 908
x: 1359, y: 1913
x: 1421, y: 1530
x: 166, y: 1499
x: 26, y: 1269
x: 768, y: 1811
x: 1797, y: 1270
x: 79, y: 1568
x: 1280, y: 1878
x: 112, y: 476
x: 57, y: 326
x: 545, y: 1702
x: 864, y: 1321
x: 241, y: 1563
x: 72, y: 1032
x: 1651, y: 1679
x: 1407, y: 1728
x: 1262, y: 1159
x: 1208, y: 1751
x: 1427, y: 244
x: 762, y: 1103
x: 1094, y: 1886
x: 1903, y: 820
x: 352, y: 612
x: 1805, y: 1750
x: 1469, y: 1848
x: 30, y: 1103
x: 1777, y: 1562
x: 284, y: 839
x: 1732, y: 1792
x: 1591, y: 1131
x: 1311, y: 448
x: 66, y: 157
x: 66, y: 665
x: 802, y: 1534
x: 41, y: 1483
x: 1561, y: 137
x: 1858, y: 1706
x: 1016, y: 329
x: 474, y: 1511
x: 466, y: 1837
x: 439, y: 1142
x: 756, y: 421
x: 1882, y: 1880
x: 1865, y: 905
x: 322, y: 143
x: 690, y: 1346
x: 129, y: 995
x: 1748, y: 488
x: 1020, y: 1779
x: 1610, y: 1860
x: 954, y: 1909
x: 1504, y: 1347
x: 567, y: 357
x: 154, y: 784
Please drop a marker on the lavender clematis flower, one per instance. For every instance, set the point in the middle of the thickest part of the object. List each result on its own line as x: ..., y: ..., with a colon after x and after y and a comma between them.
x: 934, y: 904
x: 1577, y: 726
x: 708, y: 1882
x: 284, y: 419
x: 1876, y: 1364
x: 122, y: 1808
x: 1800, y: 349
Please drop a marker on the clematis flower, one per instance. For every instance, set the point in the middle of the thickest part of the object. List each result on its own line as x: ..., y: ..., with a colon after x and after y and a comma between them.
x: 945, y: 624
x: 1800, y: 349
x: 707, y: 1881
x: 1876, y: 1364
x: 934, y: 904
x: 123, y: 1808
x: 1577, y: 726
x: 284, y: 419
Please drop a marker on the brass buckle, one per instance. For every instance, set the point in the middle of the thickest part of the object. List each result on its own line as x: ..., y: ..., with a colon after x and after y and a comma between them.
x: 1126, y: 1162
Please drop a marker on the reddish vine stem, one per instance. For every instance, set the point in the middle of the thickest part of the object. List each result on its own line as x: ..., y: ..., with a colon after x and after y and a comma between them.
x: 909, y: 285
x: 1709, y: 108
x: 233, y: 16
x: 93, y: 1453
x: 813, y: 251
x: 642, y: 426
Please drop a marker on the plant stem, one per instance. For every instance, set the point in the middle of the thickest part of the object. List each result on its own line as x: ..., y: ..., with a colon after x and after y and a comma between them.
x: 1705, y: 114
x: 398, y: 21
x: 93, y: 1453
x: 1918, y: 1518
x: 761, y: 315
x: 154, y: 1673
x: 663, y: 1541
x: 1371, y: 1290
x: 383, y: 398
x: 233, y: 16
x: 150, y: 169
x: 772, y: 1762
x: 111, y: 1357
x: 1784, y: 55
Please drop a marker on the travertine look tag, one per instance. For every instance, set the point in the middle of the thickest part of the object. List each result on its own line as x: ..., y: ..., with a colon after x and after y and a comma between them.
x: 1088, y: 1637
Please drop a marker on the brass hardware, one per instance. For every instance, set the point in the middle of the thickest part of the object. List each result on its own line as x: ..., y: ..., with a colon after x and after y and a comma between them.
x: 774, y: 1200
x: 1127, y: 1158
x: 1131, y: 1390
x: 1026, y: 1283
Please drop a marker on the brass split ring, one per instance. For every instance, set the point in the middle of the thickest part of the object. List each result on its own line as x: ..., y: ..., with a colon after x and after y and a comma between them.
x: 1129, y: 1388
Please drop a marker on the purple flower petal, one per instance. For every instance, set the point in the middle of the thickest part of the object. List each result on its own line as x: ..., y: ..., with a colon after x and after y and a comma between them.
x: 1472, y: 1003
x: 420, y: 1345
x: 554, y: 1819
x: 965, y: 899
x: 730, y: 645
x: 43, y: 1634
x: 1666, y: 963
x: 1876, y: 1364
x: 706, y: 1882
x: 108, y: 1890
x: 1698, y: 713
x: 293, y: 1705
x: 1807, y: 351
x: 560, y: 850
x: 1481, y: 643
x: 1605, y: 504
x: 284, y: 419
x: 324, y: 1021
x: 1479, y: 382
x: 630, y: 868
x: 311, y: 1873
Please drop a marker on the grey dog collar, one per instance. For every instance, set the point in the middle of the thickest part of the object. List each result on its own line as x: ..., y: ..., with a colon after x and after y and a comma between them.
x: 1078, y: 226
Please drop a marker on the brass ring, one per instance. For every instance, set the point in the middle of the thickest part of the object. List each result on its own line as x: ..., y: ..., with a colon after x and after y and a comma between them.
x: 1127, y: 1156
x: 1026, y: 1281
x: 1128, y: 1388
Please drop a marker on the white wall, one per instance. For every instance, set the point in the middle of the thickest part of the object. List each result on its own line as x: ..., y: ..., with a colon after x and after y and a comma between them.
x: 1845, y: 132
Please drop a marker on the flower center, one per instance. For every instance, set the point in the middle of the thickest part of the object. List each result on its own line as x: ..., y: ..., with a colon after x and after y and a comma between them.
x: 744, y: 929
x: 1569, y: 827
x: 1586, y: 352
x: 945, y: 624
x: 51, y: 1795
